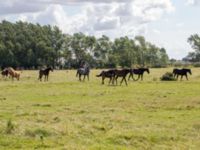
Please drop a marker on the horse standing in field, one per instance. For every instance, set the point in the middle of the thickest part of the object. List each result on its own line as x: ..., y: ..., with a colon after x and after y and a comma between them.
x: 181, y: 72
x: 107, y: 74
x: 13, y: 73
x: 4, y: 73
x: 85, y: 71
x: 121, y: 73
x: 139, y: 72
x: 45, y: 73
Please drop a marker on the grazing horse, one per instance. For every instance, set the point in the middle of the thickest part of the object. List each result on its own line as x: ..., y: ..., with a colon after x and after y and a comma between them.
x: 121, y: 73
x: 45, y: 72
x: 139, y: 72
x: 85, y: 71
x: 181, y: 72
x: 107, y: 74
x: 13, y: 73
x: 5, y: 73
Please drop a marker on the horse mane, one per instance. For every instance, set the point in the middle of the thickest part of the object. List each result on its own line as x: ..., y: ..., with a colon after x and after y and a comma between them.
x: 11, y: 69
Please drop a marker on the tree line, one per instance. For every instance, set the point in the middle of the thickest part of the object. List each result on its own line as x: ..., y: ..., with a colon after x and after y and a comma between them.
x: 30, y: 45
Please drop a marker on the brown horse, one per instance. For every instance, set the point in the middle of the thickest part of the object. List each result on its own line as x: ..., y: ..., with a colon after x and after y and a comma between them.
x: 107, y: 74
x: 122, y: 73
x: 181, y: 72
x: 139, y: 72
x: 13, y: 73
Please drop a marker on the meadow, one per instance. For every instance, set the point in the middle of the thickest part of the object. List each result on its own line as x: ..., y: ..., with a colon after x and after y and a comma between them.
x: 64, y: 113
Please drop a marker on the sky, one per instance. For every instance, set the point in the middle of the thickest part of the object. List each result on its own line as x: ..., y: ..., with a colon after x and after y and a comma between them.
x: 165, y: 23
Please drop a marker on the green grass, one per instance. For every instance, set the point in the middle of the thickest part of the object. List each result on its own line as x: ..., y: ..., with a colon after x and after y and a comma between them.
x: 66, y: 114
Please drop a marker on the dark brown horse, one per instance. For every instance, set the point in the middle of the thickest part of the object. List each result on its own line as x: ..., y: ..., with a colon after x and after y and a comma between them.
x: 4, y: 73
x: 107, y: 74
x: 139, y: 72
x: 181, y: 72
x: 122, y: 73
x: 45, y: 73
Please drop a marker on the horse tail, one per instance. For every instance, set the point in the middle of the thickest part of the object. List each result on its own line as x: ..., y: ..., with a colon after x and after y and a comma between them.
x: 77, y: 73
x: 18, y: 76
x: 40, y: 72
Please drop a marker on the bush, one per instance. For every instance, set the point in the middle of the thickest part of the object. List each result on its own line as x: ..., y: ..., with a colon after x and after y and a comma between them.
x: 9, y: 127
x: 197, y: 64
x: 38, y: 132
x: 168, y: 76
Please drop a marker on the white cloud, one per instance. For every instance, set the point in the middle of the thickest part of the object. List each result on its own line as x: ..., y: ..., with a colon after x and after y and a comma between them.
x: 111, y: 17
x: 193, y: 2
x: 180, y: 24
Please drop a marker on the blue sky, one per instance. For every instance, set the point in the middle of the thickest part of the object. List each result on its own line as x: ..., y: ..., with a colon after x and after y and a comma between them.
x: 166, y: 23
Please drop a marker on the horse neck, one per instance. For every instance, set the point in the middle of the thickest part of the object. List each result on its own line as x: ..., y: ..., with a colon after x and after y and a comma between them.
x: 146, y: 70
x: 48, y: 69
x: 87, y: 69
x: 188, y: 71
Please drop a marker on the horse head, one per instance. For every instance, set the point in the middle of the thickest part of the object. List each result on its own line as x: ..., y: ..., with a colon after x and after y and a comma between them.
x: 189, y: 71
x: 87, y: 69
x: 147, y: 70
x: 50, y: 69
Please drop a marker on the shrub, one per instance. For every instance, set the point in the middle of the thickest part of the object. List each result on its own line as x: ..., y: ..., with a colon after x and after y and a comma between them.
x: 168, y: 76
x: 38, y: 132
x: 197, y: 64
x: 9, y: 127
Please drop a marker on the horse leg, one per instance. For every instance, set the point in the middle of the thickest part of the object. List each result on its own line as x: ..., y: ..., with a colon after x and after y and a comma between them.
x: 103, y: 79
x: 125, y: 81
x: 12, y: 78
x: 131, y: 75
x: 177, y: 77
x: 109, y: 81
x: 139, y: 77
x: 88, y: 77
x: 142, y: 77
x: 84, y: 78
x: 79, y: 77
x: 116, y: 79
x: 181, y: 77
x: 113, y: 80
x: 186, y: 76
x: 40, y: 77
x: 121, y: 80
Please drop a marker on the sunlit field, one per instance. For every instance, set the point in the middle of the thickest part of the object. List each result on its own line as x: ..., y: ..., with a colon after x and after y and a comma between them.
x: 64, y: 113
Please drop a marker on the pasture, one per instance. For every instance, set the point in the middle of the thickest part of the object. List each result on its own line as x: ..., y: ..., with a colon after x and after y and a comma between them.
x: 64, y: 113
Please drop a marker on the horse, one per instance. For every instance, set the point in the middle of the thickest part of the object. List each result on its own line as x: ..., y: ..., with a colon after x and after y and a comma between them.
x: 107, y: 74
x: 85, y: 71
x: 4, y: 73
x: 181, y: 72
x: 44, y: 72
x: 121, y: 73
x: 139, y: 72
x: 13, y: 73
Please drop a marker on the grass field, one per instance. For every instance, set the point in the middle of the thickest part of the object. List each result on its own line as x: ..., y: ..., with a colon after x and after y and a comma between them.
x: 66, y: 114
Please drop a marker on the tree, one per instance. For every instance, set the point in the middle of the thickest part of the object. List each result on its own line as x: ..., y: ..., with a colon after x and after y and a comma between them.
x: 194, y: 40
